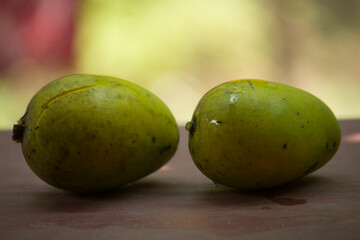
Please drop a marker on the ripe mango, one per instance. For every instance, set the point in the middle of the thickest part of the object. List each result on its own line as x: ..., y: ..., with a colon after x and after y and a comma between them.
x: 86, y: 133
x: 254, y: 134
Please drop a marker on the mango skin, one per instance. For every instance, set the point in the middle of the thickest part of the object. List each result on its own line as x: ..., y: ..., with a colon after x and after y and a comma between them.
x: 85, y: 133
x: 253, y: 134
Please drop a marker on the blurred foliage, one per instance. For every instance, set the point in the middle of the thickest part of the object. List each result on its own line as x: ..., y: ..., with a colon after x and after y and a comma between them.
x: 181, y: 49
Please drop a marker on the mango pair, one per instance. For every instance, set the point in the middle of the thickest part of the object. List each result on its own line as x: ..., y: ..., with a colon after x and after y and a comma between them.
x: 87, y: 133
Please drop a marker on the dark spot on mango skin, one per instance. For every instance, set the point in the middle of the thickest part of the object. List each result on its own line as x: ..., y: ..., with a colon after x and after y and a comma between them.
x: 251, y: 85
x: 311, y: 168
x: 329, y: 145
x: 165, y: 149
x: 284, y: 147
x: 153, y: 139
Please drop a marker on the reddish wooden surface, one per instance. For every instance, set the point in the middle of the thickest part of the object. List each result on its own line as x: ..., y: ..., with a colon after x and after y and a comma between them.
x: 178, y: 202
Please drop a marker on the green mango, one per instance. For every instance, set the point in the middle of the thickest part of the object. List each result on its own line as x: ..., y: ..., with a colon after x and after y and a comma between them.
x: 254, y: 134
x: 86, y: 133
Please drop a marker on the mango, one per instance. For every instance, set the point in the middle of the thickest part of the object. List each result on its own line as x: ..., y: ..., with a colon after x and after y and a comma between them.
x: 253, y: 134
x: 87, y: 133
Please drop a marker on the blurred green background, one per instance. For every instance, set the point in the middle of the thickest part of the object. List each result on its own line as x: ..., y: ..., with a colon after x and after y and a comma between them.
x: 181, y: 49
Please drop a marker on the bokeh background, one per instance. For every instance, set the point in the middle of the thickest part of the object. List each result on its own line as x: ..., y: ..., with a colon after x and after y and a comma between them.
x: 181, y: 49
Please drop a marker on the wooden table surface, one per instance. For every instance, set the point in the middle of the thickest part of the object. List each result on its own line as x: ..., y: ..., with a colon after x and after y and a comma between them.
x: 178, y: 202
